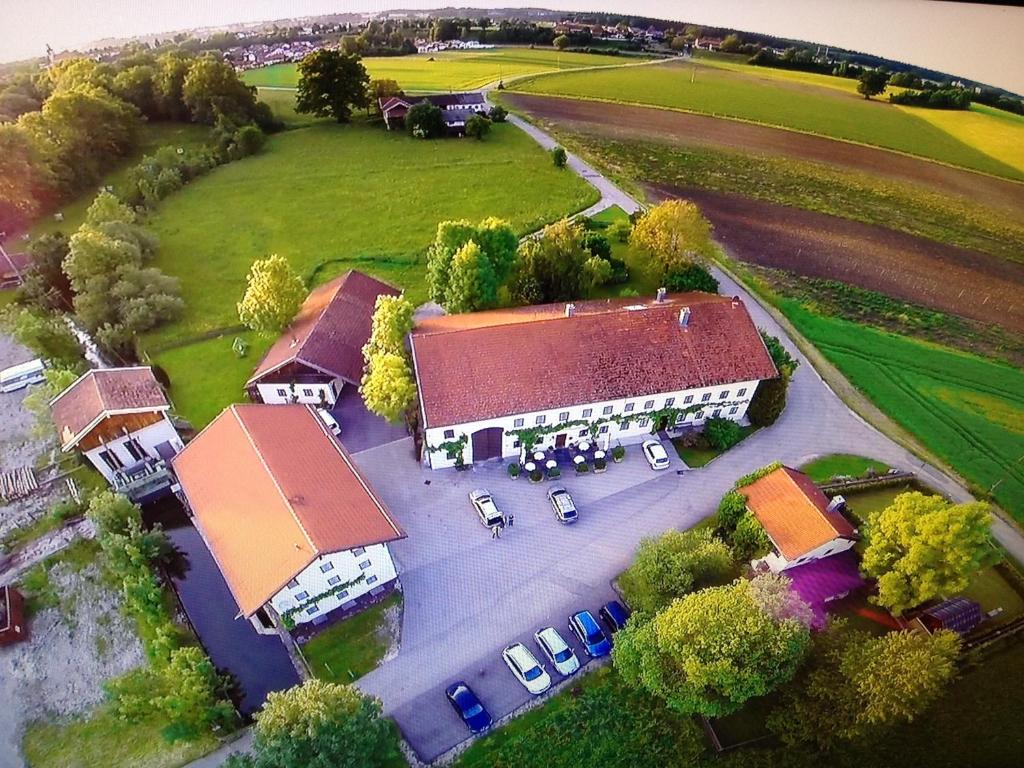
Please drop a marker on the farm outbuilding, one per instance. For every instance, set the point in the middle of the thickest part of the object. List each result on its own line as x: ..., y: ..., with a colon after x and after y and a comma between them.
x: 959, y: 615
x: 12, y: 616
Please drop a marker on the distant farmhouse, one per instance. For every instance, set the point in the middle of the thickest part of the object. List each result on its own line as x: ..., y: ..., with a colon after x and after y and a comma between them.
x: 293, y: 525
x: 321, y: 350
x: 456, y: 109
x: 619, y: 367
x: 118, y: 417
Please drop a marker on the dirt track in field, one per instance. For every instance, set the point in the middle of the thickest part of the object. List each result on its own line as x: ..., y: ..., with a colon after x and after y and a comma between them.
x: 914, y: 269
x: 652, y: 124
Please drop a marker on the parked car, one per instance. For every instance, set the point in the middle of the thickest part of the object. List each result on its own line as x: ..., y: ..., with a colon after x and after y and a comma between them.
x: 526, y: 668
x: 468, y: 707
x: 655, y: 454
x: 558, y: 652
x: 593, y: 639
x: 485, y: 507
x: 614, y: 615
x: 562, y: 503
x: 328, y: 419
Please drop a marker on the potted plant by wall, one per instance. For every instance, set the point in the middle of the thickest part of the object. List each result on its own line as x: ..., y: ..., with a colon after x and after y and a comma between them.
x: 582, y: 468
x: 618, y: 453
x: 513, y: 470
x: 536, y: 476
x: 460, y: 463
x: 554, y: 473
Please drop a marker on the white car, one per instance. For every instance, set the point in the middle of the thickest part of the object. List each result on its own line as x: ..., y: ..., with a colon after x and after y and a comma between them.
x: 655, y: 454
x: 559, y: 653
x: 329, y: 421
x: 485, y: 507
x: 526, y: 668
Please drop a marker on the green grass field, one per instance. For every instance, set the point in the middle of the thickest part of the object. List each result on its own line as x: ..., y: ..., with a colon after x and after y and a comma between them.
x: 967, y: 410
x: 451, y: 70
x: 331, y: 198
x: 726, y: 90
x: 349, y: 649
x: 824, y: 469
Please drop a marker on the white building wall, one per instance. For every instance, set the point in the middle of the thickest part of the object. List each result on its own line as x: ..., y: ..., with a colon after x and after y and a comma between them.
x: 313, y: 394
x: 374, y: 562
x: 733, y: 405
x: 148, y: 437
x: 776, y: 562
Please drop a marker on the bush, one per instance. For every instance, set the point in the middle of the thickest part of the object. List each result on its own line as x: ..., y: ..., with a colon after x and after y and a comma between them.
x: 554, y: 473
x: 559, y: 157
x: 620, y: 231
x: 424, y: 121
x: 722, y: 434
x: 598, y: 245
x: 730, y: 509
x: 582, y: 468
x: 477, y: 127
x: 498, y: 114
x: 513, y: 470
x: 695, y: 277
x: 672, y: 565
x: 748, y: 540
x: 619, y: 452
x: 769, y: 401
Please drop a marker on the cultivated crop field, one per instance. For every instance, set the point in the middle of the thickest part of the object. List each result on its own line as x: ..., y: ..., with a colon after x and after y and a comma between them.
x: 968, y: 410
x: 332, y: 198
x: 451, y: 70
x: 826, y: 111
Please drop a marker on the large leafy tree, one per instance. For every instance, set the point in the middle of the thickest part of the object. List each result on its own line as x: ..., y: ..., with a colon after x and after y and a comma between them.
x: 481, y: 272
x: 472, y: 284
x: 769, y: 401
x: 23, y: 178
x: 45, y: 334
x: 922, y: 547
x: 331, y: 83
x: 424, y: 121
x: 872, y: 82
x: 392, y: 321
x: 320, y: 725
x: 169, y: 84
x: 855, y: 683
x: 388, y: 388
x: 551, y: 267
x: 673, y: 565
x: 273, y: 294
x: 676, y: 235
x: 212, y: 88
x: 711, y: 650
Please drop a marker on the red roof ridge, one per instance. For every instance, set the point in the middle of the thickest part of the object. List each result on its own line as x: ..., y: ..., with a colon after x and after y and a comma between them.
x: 273, y: 478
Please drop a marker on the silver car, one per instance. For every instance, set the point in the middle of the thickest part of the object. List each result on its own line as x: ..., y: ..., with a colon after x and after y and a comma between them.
x: 557, y: 651
x: 485, y: 507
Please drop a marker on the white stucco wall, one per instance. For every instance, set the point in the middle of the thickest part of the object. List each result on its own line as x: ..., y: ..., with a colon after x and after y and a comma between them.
x: 313, y: 394
x: 343, y: 566
x: 732, y: 406
x: 148, y: 437
x: 776, y: 562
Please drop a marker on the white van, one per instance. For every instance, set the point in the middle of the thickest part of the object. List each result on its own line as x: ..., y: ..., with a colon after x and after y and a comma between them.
x: 20, y: 376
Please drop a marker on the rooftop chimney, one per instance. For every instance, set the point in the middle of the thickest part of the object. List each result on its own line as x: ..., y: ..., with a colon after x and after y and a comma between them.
x: 684, y: 317
x: 570, y: 310
x: 661, y: 296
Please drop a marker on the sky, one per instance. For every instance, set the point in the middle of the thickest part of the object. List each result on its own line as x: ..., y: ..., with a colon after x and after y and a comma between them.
x: 980, y: 42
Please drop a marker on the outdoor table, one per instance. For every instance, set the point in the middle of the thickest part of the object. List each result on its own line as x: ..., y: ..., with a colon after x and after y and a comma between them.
x: 538, y: 456
x: 551, y: 464
x: 529, y: 466
x: 578, y: 459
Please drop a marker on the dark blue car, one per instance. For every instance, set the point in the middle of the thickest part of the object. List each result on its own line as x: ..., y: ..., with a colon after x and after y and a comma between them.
x: 614, y: 615
x: 593, y: 639
x: 468, y: 706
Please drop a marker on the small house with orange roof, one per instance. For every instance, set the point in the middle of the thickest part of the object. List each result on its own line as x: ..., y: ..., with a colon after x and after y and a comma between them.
x: 799, y: 519
x: 294, y: 527
x: 322, y: 349
x: 119, y: 418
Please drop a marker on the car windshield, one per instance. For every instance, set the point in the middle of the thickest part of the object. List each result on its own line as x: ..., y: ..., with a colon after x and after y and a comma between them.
x: 532, y: 673
x: 475, y: 710
x: 563, y: 655
x: 595, y: 636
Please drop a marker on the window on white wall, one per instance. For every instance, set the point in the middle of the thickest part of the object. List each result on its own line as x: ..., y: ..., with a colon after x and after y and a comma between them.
x: 648, y: 405
x: 587, y: 412
x: 687, y: 399
x: 364, y: 565
x: 717, y: 413
x: 603, y: 430
x: 358, y: 551
x: 134, y: 449
x: 669, y: 402
x: 282, y: 392
x: 563, y: 416
x: 583, y: 433
x: 293, y: 584
x: 629, y: 407
x: 302, y: 595
x: 326, y: 567
x: 372, y: 580
x: 705, y: 397
x: 110, y: 459
x: 643, y: 422
x: 623, y: 426
x: 741, y: 392
x: 449, y: 434
x: 723, y: 394
x: 312, y: 609
x: 307, y: 392
x: 734, y: 409
x: 607, y: 410
x: 334, y: 580
x: 518, y: 423
x: 541, y: 419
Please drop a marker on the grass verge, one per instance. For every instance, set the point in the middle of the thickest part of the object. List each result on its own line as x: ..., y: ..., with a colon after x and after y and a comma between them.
x: 701, y: 454
x: 349, y: 649
x: 842, y: 464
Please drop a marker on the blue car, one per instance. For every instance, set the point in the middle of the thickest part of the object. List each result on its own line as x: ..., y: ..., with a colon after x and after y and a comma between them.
x: 593, y: 639
x: 614, y: 615
x: 468, y: 707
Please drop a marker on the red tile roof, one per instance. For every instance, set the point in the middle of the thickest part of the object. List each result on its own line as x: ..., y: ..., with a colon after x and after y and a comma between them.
x: 794, y: 512
x: 330, y: 330
x: 104, y: 392
x: 485, y: 365
x: 271, y: 490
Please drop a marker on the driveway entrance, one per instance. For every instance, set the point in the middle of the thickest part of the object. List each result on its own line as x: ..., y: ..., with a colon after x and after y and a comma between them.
x: 487, y: 443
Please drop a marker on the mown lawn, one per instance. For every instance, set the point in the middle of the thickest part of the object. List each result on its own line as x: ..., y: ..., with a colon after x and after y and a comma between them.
x: 152, y: 136
x: 812, y: 186
x: 824, y: 469
x: 103, y: 739
x: 349, y: 649
x: 451, y: 70
x: 966, y: 409
x: 696, y: 456
x: 723, y: 91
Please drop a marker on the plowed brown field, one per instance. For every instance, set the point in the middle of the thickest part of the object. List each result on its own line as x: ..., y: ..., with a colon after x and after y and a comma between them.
x: 914, y: 269
x: 652, y: 124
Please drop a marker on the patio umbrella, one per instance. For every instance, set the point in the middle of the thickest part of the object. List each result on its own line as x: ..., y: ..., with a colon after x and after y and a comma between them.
x: 578, y: 459
x: 584, y: 446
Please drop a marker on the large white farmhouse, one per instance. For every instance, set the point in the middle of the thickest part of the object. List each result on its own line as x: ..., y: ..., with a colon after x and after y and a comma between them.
x: 294, y: 527
x: 557, y: 374
x: 118, y: 418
